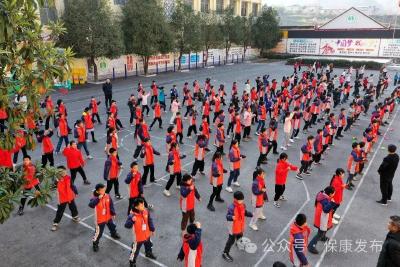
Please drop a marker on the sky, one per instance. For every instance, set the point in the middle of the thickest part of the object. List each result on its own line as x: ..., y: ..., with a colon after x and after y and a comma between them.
x: 390, y: 6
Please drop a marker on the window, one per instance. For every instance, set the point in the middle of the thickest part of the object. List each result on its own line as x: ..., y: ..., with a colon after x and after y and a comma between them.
x: 244, y: 9
x: 255, y: 9
x: 220, y: 6
x: 119, y: 2
x: 204, y: 6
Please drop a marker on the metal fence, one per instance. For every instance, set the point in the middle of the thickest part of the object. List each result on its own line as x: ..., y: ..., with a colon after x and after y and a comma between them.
x: 138, y: 70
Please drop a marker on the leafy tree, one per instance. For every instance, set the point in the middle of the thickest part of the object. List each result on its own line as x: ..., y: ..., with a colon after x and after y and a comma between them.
x: 28, y: 66
x: 266, y: 33
x: 146, y: 32
x: 186, y: 28
x: 244, y: 32
x: 91, y: 31
x: 211, y: 35
x: 228, y: 29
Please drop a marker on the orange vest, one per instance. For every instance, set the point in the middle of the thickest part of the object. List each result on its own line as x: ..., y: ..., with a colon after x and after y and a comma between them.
x: 236, y: 153
x: 141, y: 226
x: 133, y: 185
x: 102, y: 210
x: 199, y: 152
x: 30, y: 177
x: 88, y: 120
x: 149, y: 155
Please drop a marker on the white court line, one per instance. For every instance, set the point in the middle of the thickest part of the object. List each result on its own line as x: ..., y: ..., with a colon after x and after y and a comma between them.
x: 110, y: 238
x: 356, y: 191
x: 284, y: 231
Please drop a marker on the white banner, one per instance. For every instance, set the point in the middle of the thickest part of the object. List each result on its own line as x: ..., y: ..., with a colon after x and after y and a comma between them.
x: 306, y: 46
x: 349, y: 47
x: 389, y: 48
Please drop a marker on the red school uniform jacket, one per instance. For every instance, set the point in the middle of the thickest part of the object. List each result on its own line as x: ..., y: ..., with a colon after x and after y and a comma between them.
x: 30, y: 177
x: 74, y: 157
x: 66, y: 190
x: 281, y: 171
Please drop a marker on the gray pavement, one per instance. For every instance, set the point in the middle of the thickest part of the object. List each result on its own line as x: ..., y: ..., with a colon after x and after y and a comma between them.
x: 28, y: 241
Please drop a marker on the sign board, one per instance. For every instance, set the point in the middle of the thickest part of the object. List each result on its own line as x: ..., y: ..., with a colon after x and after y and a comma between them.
x: 306, y: 46
x: 389, y: 48
x: 349, y: 47
x: 193, y: 58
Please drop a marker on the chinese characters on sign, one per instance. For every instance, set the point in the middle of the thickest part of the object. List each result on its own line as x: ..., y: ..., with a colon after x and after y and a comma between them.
x: 303, y: 46
x: 350, y: 47
x: 389, y: 48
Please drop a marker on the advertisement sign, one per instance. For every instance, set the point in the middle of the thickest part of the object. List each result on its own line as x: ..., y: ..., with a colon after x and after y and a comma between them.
x: 193, y: 58
x: 350, y: 47
x: 306, y: 46
x: 389, y: 48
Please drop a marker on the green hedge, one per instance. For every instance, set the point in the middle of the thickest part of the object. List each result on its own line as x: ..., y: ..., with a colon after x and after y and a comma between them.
x: 339, y: 63
x: 277, y: 56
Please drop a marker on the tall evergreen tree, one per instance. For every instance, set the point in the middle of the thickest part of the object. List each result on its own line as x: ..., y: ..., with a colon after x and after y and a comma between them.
x: 186, y: 28
x: 146, y: 31
x: 266, y: 33
x: 92, y: 31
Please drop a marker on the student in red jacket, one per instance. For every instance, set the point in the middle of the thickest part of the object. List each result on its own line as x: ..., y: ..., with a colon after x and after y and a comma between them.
x: 141, y: 223
x: 174, y: 168
x: 298, y: 241
x: 94, y: 106
x: 75, y: 161
x: 187, y: 200
x: 112, y: 168
x: 192, y: 248
x: 3, y: 117
x: 134, y: 182
x: 30, y: 182
x: 236, y: 222
x: 156, y: 115
x: 339, y: 186
x: 62, y: 132
x: 20, y: 144
x: 44, y: 137
x: 80, y: 135
x: 87, y: 118
x: 147, y: 154
x: 6, y: 158
x: 259, y: 196
x: 66, y: 191
x: 306, y: 158
x: 281, y: 172
x: 178, y: 127
x: 104, y: 214
x: 216, y: 180
x: 324, y: 207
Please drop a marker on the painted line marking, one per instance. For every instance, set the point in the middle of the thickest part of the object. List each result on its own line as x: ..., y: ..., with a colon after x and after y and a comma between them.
x: 319, y: 262
x: 109, y: 238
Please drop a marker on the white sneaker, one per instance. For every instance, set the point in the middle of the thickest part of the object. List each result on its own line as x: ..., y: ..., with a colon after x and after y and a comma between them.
x: 283, y: 198
x: 297, y: 137
x: 283, y: 148
x: 289, y: 145
x: 254, y: 227
x: 236, y: 184
x: 229, y: 189
x: 262, y: 217
x: 228, y: 136
x: 276, y: 204
x: 90, y: 157
x: 167, y: 193
x: 178, y: 187
x: 336, y: 216
x: 54, y: 227
x: 291, y: 140
x: 334, y: 221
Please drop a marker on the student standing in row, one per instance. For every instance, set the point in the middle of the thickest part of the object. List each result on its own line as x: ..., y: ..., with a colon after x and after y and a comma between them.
x: 66, y: 191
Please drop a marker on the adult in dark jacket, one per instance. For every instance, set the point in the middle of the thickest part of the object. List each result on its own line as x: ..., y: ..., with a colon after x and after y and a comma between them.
x: 107, y: 89
x: 386, y: 171
x: 390, y: 253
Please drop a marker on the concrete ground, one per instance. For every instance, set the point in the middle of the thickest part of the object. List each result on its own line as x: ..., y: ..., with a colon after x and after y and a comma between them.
x: 28, y: 241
